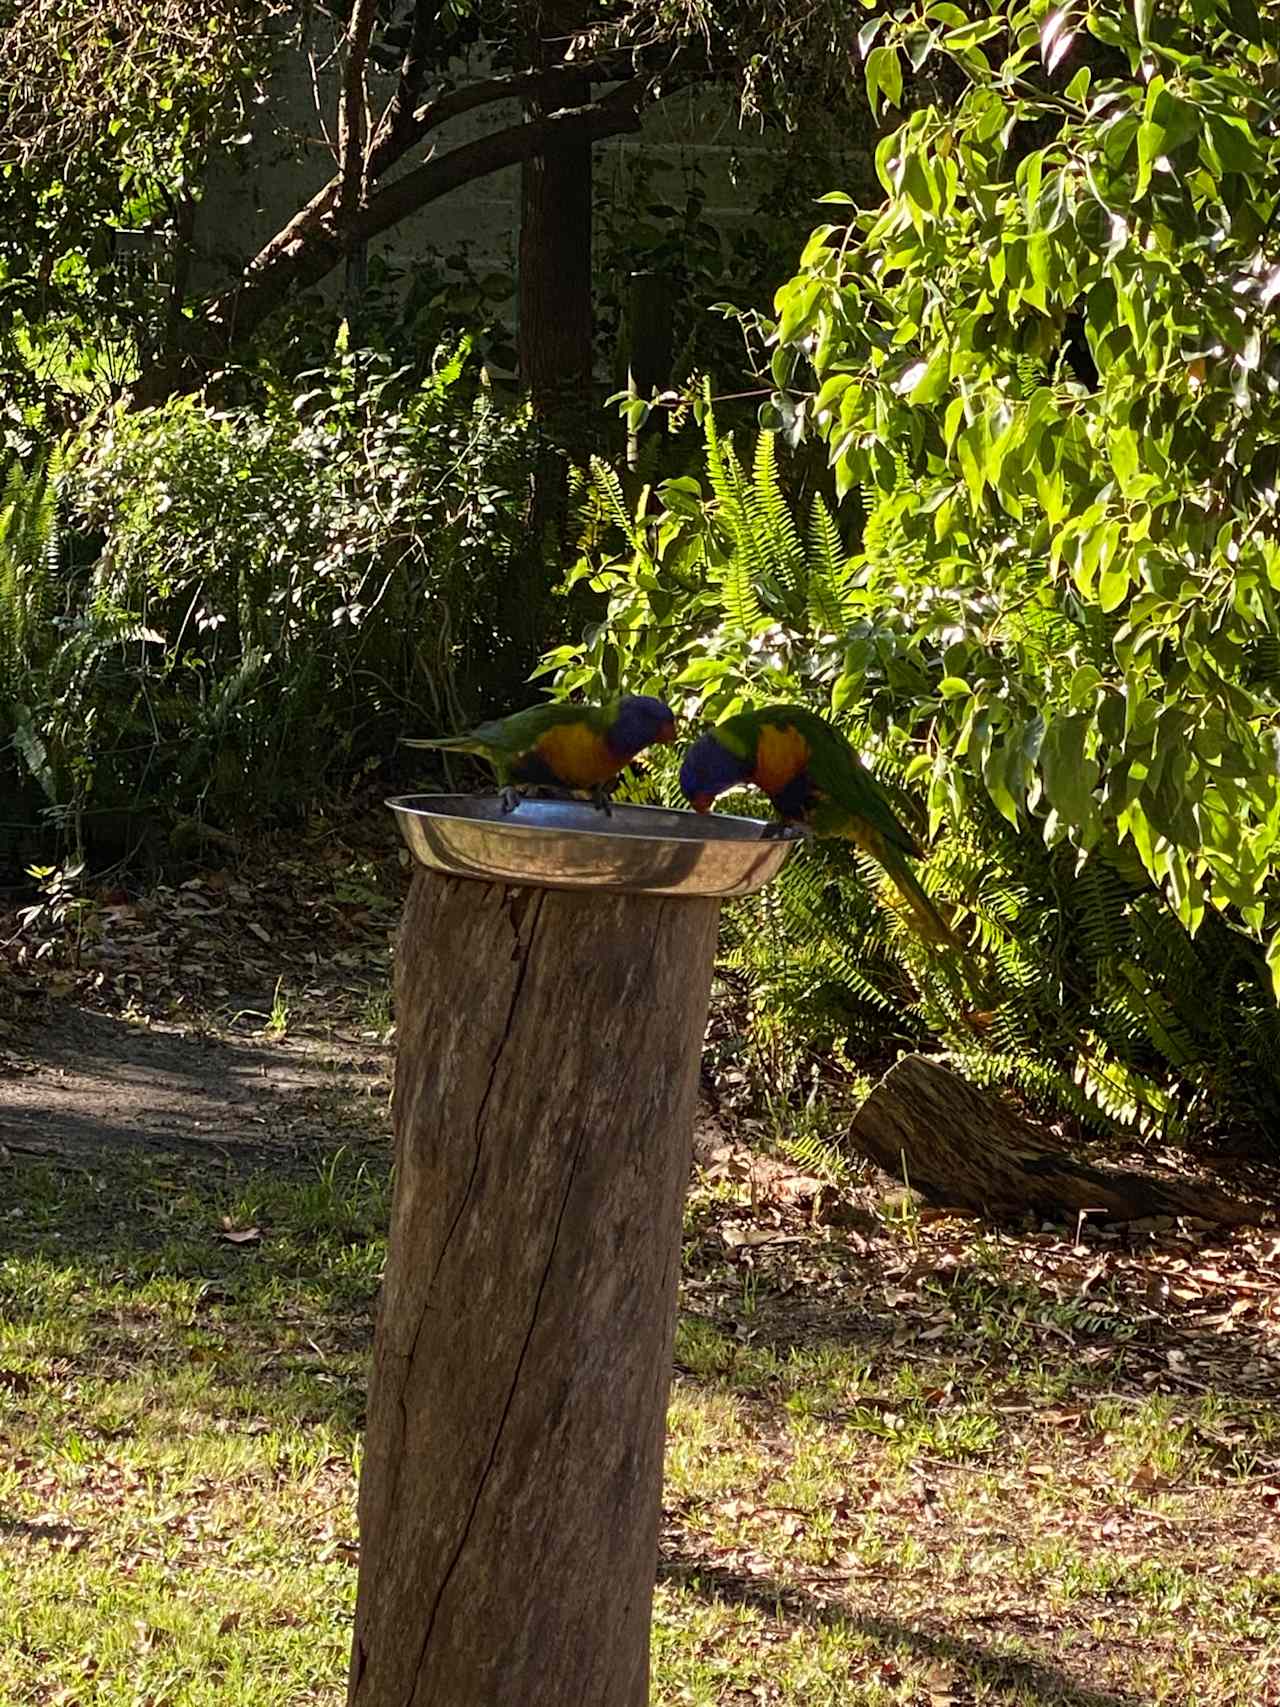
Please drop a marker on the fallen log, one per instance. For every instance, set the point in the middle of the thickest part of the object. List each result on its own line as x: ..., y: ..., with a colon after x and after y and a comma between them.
x: 962, y: 1148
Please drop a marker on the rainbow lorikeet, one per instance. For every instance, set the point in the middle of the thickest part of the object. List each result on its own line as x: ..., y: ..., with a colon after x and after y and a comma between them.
x: 564, y: 746
x: 813, y: 777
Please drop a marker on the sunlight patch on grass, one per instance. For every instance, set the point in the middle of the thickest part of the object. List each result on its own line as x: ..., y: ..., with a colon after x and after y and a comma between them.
x: 179, y: 1416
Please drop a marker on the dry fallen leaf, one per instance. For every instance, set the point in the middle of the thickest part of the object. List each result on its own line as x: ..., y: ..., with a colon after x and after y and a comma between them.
x: 239, y: 1235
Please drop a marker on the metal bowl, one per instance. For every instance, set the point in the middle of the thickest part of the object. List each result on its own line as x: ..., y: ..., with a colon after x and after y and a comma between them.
x: 570, y: 844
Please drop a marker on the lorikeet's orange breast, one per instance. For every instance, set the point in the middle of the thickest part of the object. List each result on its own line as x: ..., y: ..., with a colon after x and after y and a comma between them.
x: 578, y: 757
x: 781, y: 754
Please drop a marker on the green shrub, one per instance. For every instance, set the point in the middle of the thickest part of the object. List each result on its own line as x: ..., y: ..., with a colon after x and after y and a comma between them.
x: 278, y: 592
x: 1043, y: 377
x: 1091, y: 996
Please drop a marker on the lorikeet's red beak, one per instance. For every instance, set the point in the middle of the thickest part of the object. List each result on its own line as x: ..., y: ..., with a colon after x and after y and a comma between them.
x: 667, y: 734
x: 702, y: 802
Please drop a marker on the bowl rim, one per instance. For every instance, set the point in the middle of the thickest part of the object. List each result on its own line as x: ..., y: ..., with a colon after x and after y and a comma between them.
x: 786, y: 832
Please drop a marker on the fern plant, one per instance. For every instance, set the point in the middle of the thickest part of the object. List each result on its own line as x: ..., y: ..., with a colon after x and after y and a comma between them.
x: 1093, y: 1002
x: 31, y: 597
x: 29, y: 559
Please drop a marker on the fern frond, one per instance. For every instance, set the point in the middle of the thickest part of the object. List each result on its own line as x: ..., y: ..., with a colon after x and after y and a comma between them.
x: 778, y: 533
x: 829, y: 572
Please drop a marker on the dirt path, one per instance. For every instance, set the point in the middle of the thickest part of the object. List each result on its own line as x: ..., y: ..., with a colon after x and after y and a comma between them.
x: 235, y: 1014
x: 83, y: 1083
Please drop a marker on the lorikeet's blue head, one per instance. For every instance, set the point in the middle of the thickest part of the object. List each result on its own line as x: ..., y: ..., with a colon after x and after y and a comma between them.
x: 642, y: 720
x: 708, y: 769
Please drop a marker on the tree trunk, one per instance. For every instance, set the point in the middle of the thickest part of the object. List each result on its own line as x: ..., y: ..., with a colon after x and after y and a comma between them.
x: 650, y: 346
x: 554, y: 313
x: 961, y: 1148
x: 510, y: 1497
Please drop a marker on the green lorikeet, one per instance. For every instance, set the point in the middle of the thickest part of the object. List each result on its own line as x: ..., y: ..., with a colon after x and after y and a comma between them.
x: 564, y: 746
x: 813, y: 777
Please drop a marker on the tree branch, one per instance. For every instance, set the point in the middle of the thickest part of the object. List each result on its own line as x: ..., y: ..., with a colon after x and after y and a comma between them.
x: 611, y: 115
x: 316, y: 239
x: 351, y: 105
x: 391, y: 138
x: 391, y: 142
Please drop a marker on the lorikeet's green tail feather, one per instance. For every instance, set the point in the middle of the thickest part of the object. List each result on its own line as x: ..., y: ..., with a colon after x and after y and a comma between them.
x: 956, y: 969
x: 455, y: 743
x: 498, y: 760
x: 928, y: 921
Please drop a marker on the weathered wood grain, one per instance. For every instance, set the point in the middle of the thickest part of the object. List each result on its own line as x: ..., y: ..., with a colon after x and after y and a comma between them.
x: 544, y: 1095
x: 960, y: 1147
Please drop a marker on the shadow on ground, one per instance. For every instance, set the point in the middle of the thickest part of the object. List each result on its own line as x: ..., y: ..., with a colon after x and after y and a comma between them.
x: 1033, y: 1680
x: 88, y: 1083
x: 178, y: 1204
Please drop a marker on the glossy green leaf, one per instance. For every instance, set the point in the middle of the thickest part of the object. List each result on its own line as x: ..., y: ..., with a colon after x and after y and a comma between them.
x: 883, y: 75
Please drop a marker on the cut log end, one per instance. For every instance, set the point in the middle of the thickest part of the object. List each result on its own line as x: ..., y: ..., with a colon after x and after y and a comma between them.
x: 963, y: 1148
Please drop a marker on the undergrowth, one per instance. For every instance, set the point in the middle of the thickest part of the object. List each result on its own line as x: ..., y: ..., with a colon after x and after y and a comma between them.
x: 208, y: 617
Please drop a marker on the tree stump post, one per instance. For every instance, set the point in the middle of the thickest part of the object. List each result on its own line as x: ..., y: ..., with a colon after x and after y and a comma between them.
x: 511, y: 1491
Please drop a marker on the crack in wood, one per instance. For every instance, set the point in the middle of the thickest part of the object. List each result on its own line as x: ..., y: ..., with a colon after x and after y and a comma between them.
x: 502, y: 1420
x: 411, y: 1356
x: 537, y: 1229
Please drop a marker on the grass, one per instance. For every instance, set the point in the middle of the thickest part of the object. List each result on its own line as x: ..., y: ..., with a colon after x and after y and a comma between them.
x: 911, y: 1473
x: 180, y: 1417
x: 936, y: 1466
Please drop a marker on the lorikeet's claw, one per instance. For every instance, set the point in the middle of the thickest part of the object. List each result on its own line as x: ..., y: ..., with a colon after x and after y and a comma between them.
x: 600, y: 800
x: 509, y: 798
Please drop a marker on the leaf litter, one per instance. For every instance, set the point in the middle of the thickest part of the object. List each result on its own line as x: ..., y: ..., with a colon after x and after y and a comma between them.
x: 911, y: 1459
x: 1060, y: 1442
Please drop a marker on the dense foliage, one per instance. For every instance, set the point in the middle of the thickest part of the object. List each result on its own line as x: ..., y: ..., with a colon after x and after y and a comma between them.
x: 110, y: 114
x: 225, y: 614
x: 1042, y: 377
x: 113, y: 117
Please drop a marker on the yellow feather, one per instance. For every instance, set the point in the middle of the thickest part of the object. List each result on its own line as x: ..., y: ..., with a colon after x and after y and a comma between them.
x: 577, y: 755
x: 781, y: 754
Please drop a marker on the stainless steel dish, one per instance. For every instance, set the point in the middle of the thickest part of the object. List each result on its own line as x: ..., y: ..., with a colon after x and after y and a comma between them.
x: 570, y: 844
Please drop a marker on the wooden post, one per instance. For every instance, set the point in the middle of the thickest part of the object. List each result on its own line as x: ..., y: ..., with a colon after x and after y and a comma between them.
x: 544, y: 1097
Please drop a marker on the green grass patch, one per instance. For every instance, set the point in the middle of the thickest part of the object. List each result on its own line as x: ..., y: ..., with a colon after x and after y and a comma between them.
x: 182, y: 1365
x: 903, y: 1470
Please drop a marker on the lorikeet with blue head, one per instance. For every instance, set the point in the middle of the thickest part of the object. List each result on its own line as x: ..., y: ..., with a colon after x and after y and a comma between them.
x: 812, y: 777
x: 562, y: 746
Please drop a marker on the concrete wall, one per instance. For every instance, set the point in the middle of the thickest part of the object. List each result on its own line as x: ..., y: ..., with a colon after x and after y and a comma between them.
x: 289, y: 159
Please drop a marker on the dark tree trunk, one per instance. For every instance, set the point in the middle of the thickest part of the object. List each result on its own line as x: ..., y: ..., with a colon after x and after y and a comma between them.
x: 555, y: 321
x: 510, y: 1497
x: 962, y: 1148
x: 554, y: 314
x: 650, y: 346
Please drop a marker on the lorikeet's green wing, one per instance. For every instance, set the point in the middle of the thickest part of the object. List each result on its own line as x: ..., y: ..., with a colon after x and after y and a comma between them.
x: 522, y: 730
x: 855, y: 807
x: 505, y: 740
x: 848, y: 788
